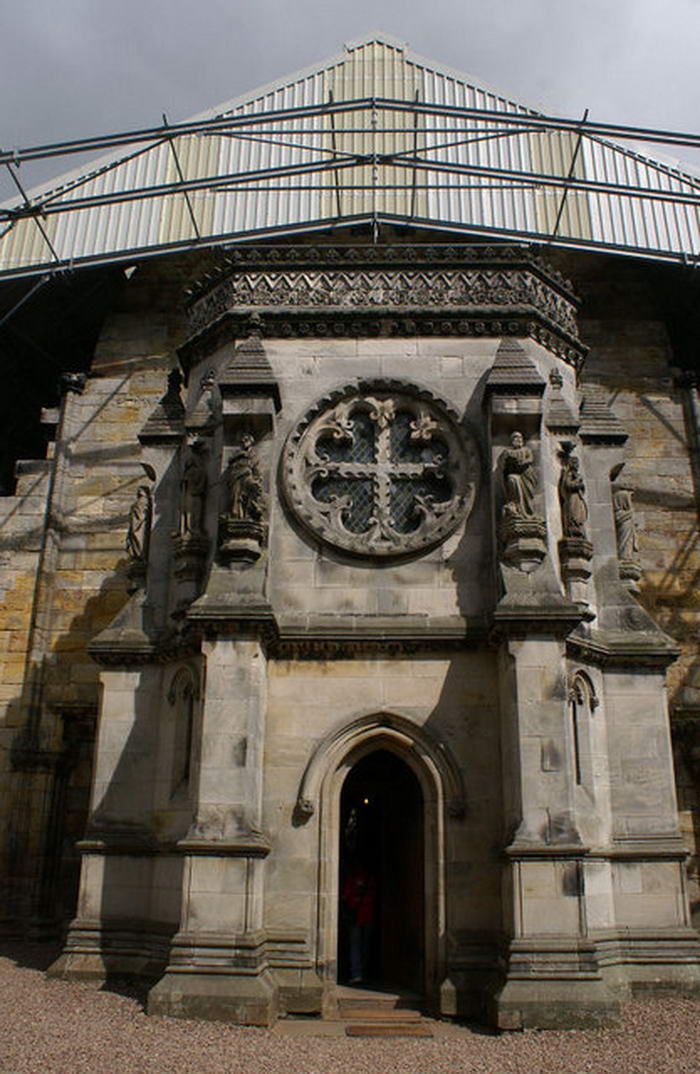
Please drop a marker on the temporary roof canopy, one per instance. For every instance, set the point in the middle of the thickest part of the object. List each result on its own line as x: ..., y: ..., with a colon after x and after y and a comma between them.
x: 374, y: 135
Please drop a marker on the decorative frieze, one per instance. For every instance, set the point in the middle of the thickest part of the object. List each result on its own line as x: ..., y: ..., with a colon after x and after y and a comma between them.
x: 345, y: 291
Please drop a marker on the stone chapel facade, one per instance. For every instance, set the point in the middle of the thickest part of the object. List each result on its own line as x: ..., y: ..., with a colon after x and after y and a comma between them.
x: 346, y: 565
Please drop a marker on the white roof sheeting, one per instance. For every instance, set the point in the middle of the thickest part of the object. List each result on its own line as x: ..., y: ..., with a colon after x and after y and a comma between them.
x: 424, y: 145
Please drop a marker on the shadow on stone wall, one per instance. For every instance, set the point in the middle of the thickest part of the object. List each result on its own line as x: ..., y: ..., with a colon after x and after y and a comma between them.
x: 50, y: 763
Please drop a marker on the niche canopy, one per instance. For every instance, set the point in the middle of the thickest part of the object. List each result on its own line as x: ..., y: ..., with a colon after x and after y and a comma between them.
x: 374, y: 135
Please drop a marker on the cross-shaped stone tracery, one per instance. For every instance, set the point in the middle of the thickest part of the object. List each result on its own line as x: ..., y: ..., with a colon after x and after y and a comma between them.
x: 359, y: 465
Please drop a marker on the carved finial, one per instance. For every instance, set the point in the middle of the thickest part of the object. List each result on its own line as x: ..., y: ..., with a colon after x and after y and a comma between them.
x: 73, y: 382
x: 174, y: 382
x: 255, y: 325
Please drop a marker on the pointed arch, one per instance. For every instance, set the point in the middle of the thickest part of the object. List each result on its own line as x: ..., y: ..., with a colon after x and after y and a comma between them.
x: 583, y: 701
x: 373, y: 731
x: 319, y: 795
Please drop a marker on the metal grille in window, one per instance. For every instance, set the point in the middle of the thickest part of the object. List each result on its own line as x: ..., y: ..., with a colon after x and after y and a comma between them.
x: 356, y: 514
x: 381, y: 469
x: 405, y: 498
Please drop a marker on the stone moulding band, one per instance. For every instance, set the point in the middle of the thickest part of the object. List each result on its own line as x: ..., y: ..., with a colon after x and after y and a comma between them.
x: 276, y: 322
x: 630, y: 651
x: 357, y: 291
x: 370, y: 255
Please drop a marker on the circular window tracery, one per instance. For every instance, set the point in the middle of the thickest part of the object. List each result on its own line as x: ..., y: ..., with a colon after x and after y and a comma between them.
x: 381, y: 468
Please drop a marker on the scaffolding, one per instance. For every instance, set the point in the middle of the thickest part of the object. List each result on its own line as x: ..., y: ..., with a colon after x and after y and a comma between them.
x: 371, y: 160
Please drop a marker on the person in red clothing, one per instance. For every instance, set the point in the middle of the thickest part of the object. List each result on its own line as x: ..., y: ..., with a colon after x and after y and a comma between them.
x: 359, y: 898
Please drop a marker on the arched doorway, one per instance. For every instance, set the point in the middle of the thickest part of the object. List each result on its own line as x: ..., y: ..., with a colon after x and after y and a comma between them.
x: 382, y: 826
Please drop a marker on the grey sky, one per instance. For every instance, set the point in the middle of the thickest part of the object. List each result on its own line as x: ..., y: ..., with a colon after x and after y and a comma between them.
x: 73, y: 68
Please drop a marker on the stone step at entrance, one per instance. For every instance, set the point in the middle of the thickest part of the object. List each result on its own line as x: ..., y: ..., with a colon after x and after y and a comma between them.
x: 369, y: 1013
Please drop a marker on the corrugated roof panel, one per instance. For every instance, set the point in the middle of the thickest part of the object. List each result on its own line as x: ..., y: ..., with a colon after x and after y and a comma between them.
x: 476, y: 200
x: 255, y: 207
x: 451, y: 194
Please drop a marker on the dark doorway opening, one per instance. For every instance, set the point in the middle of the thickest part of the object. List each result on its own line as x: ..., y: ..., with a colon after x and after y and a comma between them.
x: 382, y: 875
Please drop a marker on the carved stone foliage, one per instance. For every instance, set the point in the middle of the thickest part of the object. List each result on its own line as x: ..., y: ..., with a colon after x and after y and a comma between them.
x: 522, y: 533
x: 381, y: 468
x: 352, y: 291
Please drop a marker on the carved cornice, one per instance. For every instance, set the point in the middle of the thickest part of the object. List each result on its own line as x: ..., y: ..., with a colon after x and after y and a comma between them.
x: 134, y: 652
x: 392, y: 291
x: 616, y: 649
x: 241, y: 258
x: 348, y: 637
x: 254, y: 845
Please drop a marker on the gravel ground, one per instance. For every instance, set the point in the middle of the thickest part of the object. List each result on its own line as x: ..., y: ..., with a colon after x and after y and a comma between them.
x: 56, y: 1027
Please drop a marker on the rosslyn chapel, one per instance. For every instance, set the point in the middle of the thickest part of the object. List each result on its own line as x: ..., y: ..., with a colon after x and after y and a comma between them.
x: 349, y: 556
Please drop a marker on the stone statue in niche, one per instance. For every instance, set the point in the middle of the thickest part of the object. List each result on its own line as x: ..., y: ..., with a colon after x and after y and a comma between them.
x: 242, y: 529
x: 519, y: 478
x: 625, y: 529
x: 575, y: 550
x: 626, y: 534
x: 193, y: 492
x: 244, y: 483
x: 522, y: 533
x: 574, y: 512
x: 139, y: 532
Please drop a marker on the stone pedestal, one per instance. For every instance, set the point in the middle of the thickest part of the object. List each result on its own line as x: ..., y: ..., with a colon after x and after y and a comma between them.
x: 575, y: 554
x: 630, y: 574
x: 523, y: 541
x: 217, y: 968
x: 240, y: 540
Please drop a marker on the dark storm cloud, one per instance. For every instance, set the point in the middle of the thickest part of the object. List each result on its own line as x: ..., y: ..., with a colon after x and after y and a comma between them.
x: 79, y: 67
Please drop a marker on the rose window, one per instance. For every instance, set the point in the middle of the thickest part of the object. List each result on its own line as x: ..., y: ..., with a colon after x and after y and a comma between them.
x: 381, y: 469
